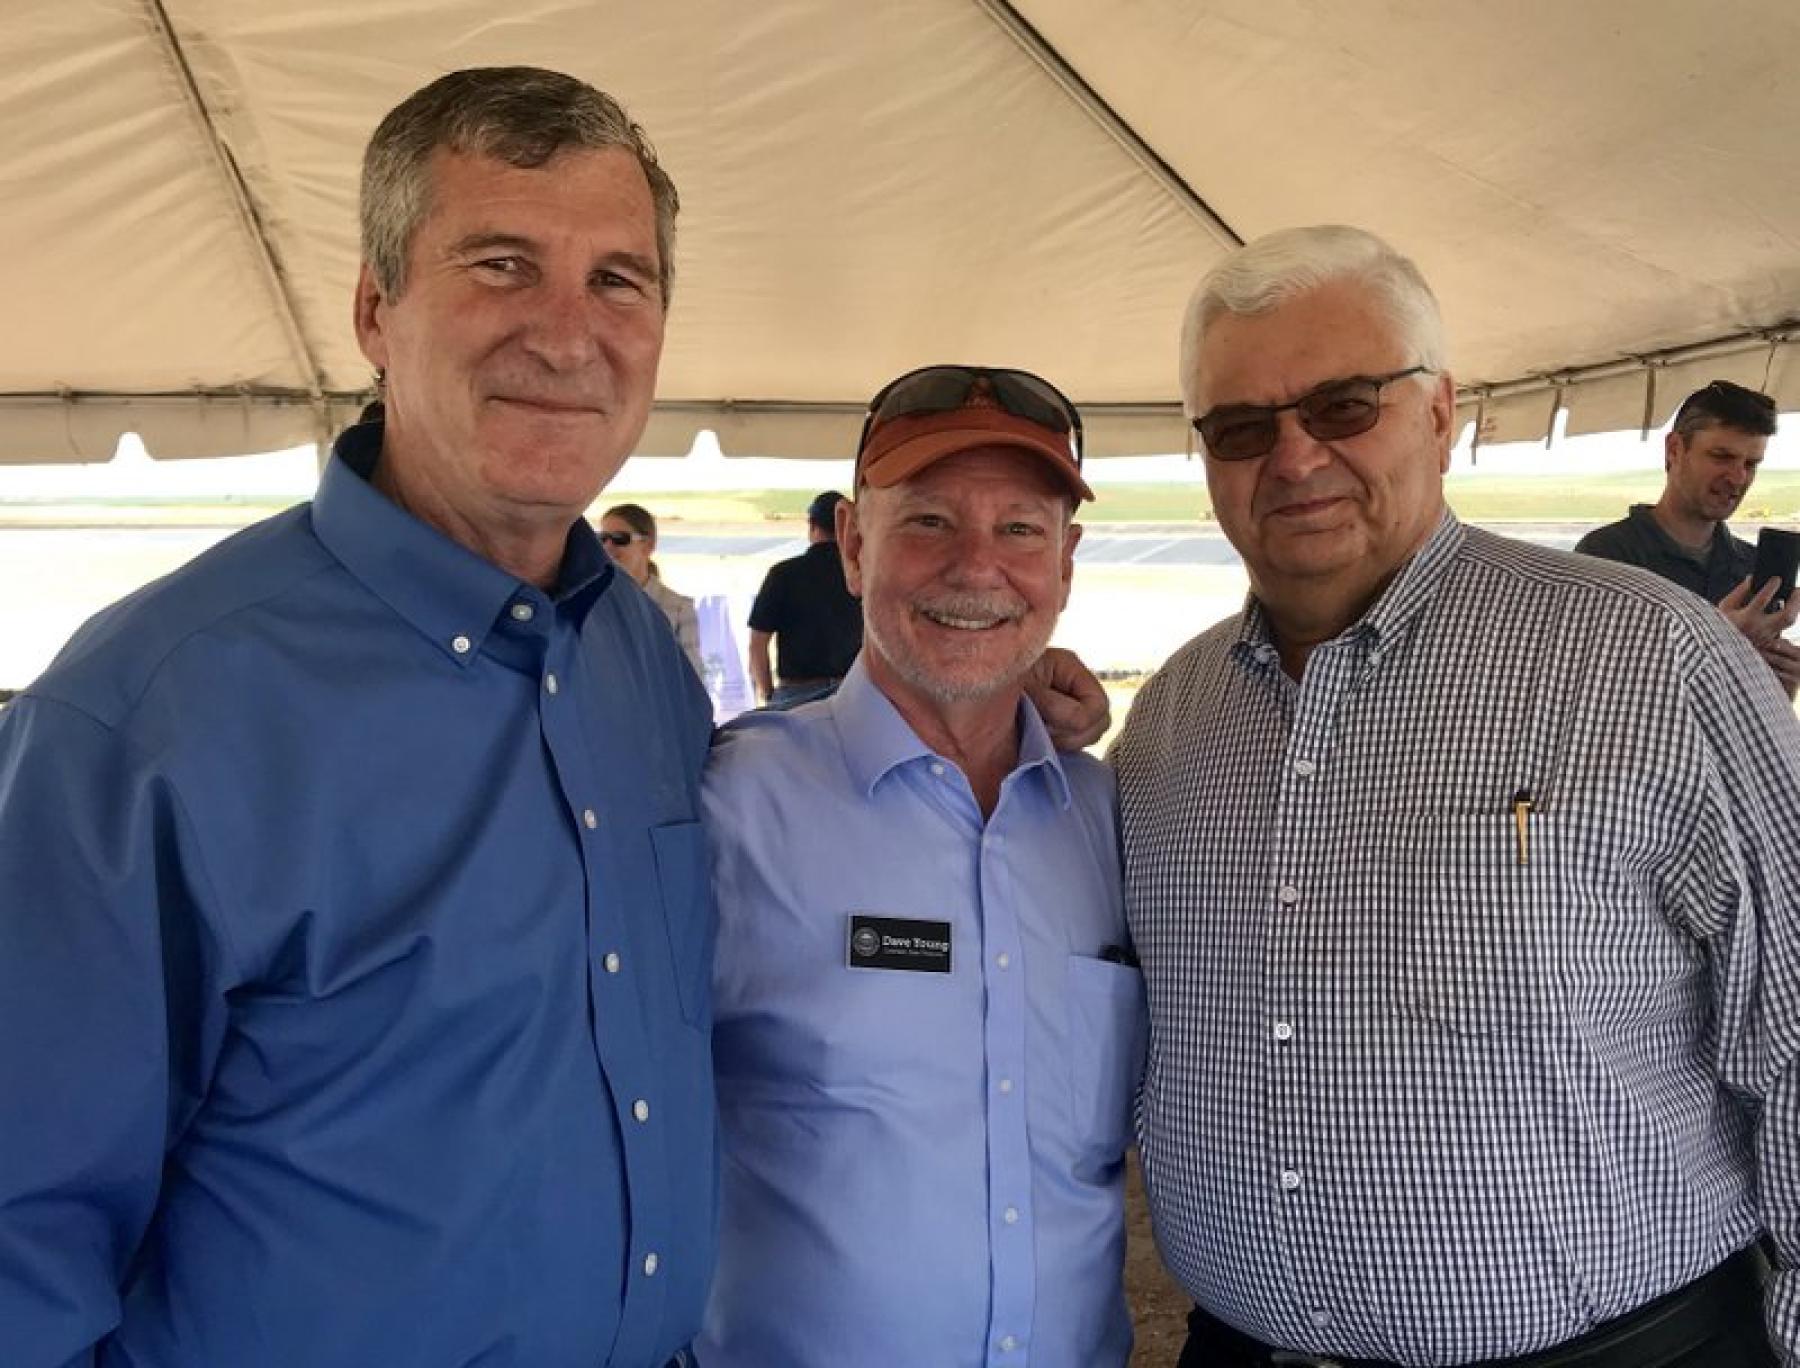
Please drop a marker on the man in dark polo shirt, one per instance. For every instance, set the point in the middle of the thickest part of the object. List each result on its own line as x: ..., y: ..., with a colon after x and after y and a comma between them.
x: 817, y: 622
x: 1711, y: 454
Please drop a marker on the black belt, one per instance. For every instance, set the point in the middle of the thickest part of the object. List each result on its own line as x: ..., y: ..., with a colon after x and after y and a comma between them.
x: 1672, y: 1324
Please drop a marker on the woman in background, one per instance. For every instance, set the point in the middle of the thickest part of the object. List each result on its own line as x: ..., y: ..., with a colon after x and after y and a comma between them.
x: 628, y: 531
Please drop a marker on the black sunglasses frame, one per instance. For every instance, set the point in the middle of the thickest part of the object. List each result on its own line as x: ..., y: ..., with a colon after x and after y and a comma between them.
x: 622, y: 538
x: 945, y: 388
x: 1271, y: 413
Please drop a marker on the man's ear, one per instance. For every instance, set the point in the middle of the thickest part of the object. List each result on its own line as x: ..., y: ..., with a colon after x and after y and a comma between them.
x: 1443, y: 419
x: 370, y: 318
x: 1672, y: 447
x: 849, y: 538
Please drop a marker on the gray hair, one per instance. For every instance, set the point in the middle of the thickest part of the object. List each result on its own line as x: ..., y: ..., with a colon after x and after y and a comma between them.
x: 520, y: 115
x: 1266, y: 273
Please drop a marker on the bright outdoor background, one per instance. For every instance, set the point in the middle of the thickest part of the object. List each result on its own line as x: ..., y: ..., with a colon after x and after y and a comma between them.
x: 1153, y: 570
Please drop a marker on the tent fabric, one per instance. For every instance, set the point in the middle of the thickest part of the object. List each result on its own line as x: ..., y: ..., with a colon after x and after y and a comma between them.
x: 870, y: 185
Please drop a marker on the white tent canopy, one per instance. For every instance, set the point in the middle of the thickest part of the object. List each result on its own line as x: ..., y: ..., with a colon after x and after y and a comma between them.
x: 1602, y: 193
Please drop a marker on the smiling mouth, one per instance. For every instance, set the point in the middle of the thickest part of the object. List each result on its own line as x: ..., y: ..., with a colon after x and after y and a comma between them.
x: 551, y: 406
x: 1306, y: 507
x: 963, y: 624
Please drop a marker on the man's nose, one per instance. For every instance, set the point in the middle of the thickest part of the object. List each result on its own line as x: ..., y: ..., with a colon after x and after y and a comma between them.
x: 975, y: 557
x: 1296, y: 453
x: 561, y: 331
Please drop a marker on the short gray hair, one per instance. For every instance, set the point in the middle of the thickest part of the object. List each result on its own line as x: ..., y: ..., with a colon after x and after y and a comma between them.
x: 520, y: 115
x: 1266, y: 273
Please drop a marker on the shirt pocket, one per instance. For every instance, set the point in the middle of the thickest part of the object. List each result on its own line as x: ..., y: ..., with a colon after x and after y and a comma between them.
x: 1470, y: 921
x: 683, y: 882
x: 1106, y: 1054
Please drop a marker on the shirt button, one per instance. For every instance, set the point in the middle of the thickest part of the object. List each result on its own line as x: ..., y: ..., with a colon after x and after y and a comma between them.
x: 459, y: 644
x: 1005, y: 1085
x: 1284, y: 1031
x: 1288, y: 895
x: 650, y: 1264
x: 611, y: 961
x: 1003, y: 959
x: 1008, y: 1344
x: 1320, y: 1317
x: 550, y: 685
x: 1305, y: 768
x: 641, y: 1109
x: 523, y: 612
x: 1290, y: 1179
x: 589, y: 819
x: 1010, y: 1215
x: 937, y: 768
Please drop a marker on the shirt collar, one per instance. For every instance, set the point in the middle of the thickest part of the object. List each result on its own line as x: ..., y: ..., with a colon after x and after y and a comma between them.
x: 876, y: 740
x: 1393, y: 610
x: 1719, y: 544
x: 447, y: 592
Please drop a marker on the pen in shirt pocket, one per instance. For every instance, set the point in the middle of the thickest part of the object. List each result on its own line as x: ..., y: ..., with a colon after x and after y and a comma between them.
x: 1523, y: 805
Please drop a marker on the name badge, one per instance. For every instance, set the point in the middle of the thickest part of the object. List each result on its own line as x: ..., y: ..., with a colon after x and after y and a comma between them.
x: 919, y: 947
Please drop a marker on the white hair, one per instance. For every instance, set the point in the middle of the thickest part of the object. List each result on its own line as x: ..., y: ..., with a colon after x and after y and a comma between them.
x: 1265, y: 274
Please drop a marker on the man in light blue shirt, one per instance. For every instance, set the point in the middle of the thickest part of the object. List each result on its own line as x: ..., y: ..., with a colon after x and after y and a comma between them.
x: 929, y: 1027
x: 354, y: 919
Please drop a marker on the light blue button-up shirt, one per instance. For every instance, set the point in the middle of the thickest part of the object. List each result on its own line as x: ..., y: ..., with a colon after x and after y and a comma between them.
x: 354, y: 1005
x: 920, y: 1168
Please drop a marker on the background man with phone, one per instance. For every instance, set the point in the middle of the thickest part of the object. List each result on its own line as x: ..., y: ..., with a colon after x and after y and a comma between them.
x: 1711, y: 455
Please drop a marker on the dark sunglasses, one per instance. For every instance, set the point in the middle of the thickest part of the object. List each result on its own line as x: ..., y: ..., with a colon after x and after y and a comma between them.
x: 1722, y: 395
x: 1335, y: 410
x: 622, y: 538
x: 942, y: 389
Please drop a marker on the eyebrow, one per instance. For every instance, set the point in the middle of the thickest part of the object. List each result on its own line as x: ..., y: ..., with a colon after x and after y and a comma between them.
x: 481, y: 242
x: 513, y: 242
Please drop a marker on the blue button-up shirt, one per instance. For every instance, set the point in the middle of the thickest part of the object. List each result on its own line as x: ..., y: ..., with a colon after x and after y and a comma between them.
x: 920, y: 1168
x: 353, y: 943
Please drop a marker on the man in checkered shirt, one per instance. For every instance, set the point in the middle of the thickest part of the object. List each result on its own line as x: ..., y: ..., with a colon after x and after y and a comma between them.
x: 1465, y: 876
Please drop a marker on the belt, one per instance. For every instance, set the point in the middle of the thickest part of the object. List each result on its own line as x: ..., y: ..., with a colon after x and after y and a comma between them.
x: 1672, y: 1324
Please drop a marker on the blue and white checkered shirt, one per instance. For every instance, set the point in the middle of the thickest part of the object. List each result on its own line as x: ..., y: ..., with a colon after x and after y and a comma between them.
x: 1420, y: 1087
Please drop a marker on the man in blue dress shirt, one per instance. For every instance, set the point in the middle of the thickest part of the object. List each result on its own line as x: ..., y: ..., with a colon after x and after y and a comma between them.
x: 354, y: 917
x: 928, y: 1025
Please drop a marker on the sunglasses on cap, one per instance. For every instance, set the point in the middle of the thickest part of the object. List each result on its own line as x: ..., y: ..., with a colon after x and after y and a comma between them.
x: 622, y: 538
x: 1335, y: 410
x: 1722, y: 394
x: 943, y: 389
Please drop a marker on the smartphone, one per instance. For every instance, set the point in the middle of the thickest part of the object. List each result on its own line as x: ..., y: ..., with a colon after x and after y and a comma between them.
x: 1777, y: 557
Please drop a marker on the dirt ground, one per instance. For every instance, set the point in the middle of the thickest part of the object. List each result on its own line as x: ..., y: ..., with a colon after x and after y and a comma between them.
x: 1158, y: 1305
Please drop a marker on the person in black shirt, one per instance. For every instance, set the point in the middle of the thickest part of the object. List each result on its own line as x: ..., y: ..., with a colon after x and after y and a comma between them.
x: 1711, y: 455
x: 806, y: 607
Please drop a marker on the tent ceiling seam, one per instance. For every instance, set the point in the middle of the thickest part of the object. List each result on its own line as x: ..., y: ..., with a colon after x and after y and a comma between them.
x: 268, y: 266
x: 1095, y: 106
